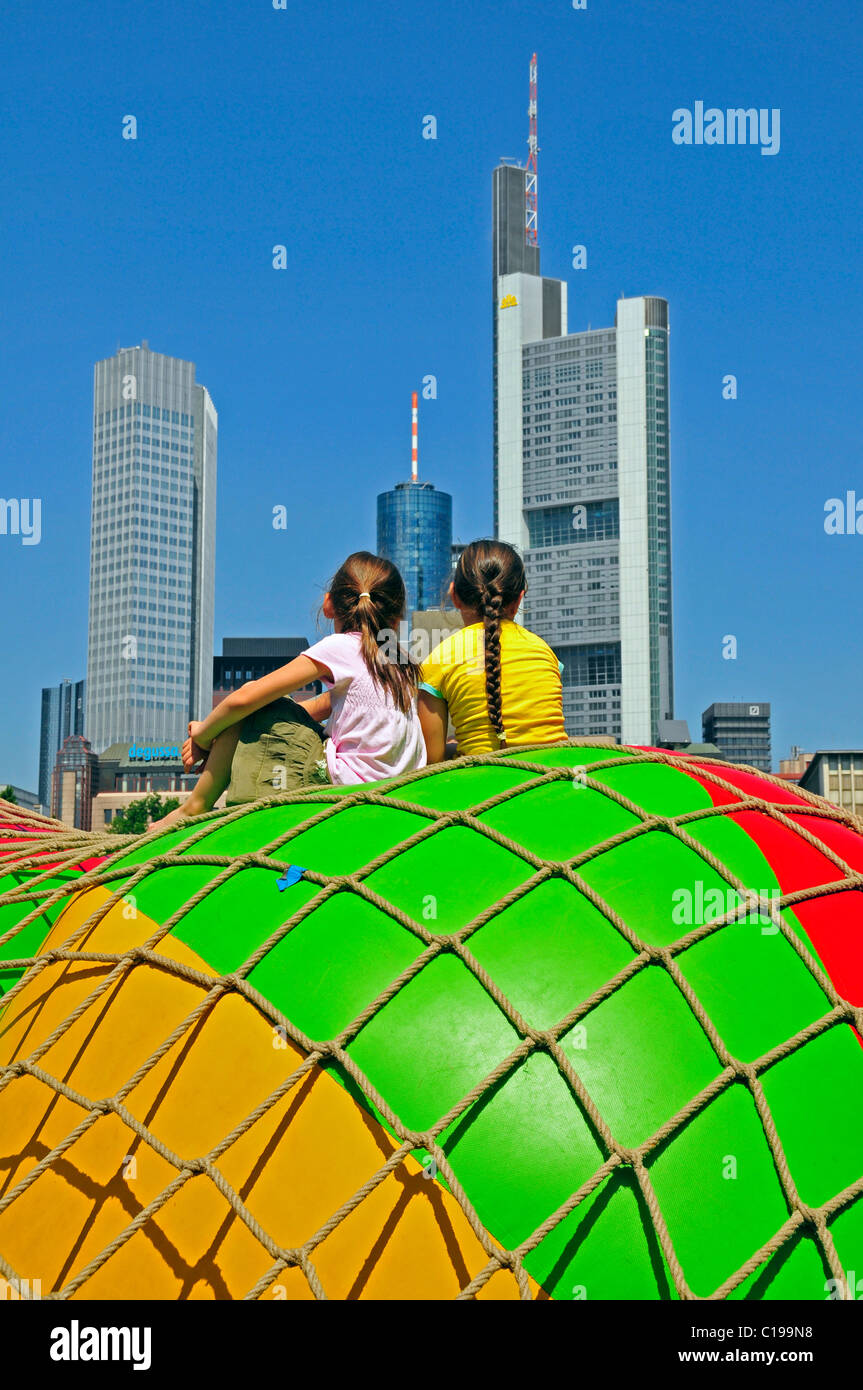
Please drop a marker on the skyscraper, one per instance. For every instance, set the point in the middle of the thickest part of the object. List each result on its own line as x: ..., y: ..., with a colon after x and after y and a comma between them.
x: 152, y: 550
x: 526, y: 307
x: 415, y: 532
x: 581, y: 480
x: 62, y: 716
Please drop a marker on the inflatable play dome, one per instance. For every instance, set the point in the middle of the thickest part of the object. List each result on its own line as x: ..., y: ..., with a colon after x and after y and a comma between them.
x: 573, y: 1022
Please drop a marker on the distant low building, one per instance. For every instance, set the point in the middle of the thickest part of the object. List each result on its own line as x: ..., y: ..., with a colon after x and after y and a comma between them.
x: 837, y: 775
x: 248, y: 658
x: 28, y: 801
x: 740, y: 731
x: 703, y: 750
x: 794, y: 767
x: 673, y: 734
x: 433, y: 625
x: 430, y: 627
x: 74, y: 781
x: 128, y: 772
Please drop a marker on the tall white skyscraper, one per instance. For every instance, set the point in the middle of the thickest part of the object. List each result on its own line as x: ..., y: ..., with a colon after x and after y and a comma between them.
x: 581, y: 477
x: 152, y: 550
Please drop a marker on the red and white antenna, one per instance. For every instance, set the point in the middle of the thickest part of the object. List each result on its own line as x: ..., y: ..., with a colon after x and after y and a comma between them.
x: 414, y: 437
x: 530, y: 225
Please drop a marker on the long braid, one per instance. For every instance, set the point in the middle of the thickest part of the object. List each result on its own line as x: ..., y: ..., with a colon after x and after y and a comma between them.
x: 491, y: 626
x: 490, y: 579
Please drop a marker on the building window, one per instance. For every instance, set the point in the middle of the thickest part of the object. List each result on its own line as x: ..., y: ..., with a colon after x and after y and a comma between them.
x: 556, y: 525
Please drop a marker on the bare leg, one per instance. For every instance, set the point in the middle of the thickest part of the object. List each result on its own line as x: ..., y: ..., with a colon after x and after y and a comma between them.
x: 212, y: 781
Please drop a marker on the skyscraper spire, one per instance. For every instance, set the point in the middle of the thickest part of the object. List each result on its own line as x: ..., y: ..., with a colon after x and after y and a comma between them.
x: 530, y: 223
x: 415, y: 532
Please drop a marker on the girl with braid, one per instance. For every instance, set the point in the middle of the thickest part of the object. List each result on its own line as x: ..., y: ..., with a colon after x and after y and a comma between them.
x: 261, y: 742
x: 498, y: 683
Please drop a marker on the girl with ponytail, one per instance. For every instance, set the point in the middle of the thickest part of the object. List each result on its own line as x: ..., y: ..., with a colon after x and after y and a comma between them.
x: 498, y: 683
x: 264, y: 743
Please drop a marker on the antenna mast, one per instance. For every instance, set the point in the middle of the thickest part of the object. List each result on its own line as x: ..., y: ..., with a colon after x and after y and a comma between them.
x: 530, y: 226
x: 414, y: 437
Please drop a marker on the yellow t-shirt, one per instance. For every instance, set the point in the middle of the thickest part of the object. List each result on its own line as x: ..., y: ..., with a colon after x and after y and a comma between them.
x: 531, y: 692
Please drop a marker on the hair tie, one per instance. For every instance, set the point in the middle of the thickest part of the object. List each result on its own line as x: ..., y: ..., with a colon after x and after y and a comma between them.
x: 365, y: 594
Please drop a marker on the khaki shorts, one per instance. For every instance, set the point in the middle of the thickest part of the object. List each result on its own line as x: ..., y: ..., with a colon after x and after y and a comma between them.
x: 280, y: 749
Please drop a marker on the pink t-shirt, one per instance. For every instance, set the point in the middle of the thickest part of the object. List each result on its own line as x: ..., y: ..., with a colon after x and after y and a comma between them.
x: 369, y: 737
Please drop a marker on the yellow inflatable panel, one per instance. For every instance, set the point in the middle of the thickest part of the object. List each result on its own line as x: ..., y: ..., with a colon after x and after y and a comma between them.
x: 292, y: 1170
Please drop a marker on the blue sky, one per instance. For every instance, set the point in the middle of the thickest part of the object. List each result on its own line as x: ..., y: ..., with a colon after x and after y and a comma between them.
x: 304, y: 126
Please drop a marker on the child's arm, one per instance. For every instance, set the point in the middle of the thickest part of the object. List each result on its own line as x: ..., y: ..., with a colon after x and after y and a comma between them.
x: 255, y: 694
x: 320, y: 707
x: 433, y: 713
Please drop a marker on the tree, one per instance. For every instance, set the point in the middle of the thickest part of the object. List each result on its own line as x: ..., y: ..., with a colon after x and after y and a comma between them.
x: 7, y: 794
x: 138, y: 814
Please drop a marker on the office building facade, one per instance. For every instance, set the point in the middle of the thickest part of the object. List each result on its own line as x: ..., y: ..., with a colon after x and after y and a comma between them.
x: 127, y: 773
x: 74, y: 783
x: 794, y: 766
x: 837, y: 775
x: 415, y: 533
x: 581, y: 479
x: 248, y: 658
x: 62, y: 716
x: 152, y: 549
x: 741, y: 731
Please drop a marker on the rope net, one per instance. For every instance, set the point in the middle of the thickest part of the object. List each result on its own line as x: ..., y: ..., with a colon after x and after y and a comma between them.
x: 61, y: 848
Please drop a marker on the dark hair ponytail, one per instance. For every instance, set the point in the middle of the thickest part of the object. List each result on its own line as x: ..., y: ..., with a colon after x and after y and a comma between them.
x: 489, y: 578
x: 368, y: 596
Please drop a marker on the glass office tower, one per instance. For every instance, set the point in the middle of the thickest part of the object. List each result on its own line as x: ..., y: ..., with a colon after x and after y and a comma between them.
x: 415, y: 532
x: 62, y: 716
x: 152, y: 550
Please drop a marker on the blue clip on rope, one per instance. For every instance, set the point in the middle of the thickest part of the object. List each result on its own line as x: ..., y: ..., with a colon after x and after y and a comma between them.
x: 293, y: 874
